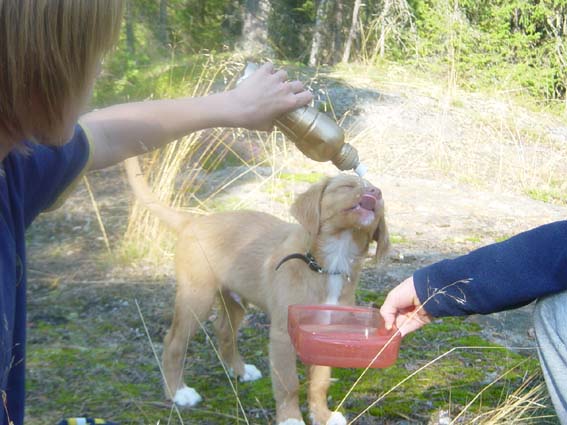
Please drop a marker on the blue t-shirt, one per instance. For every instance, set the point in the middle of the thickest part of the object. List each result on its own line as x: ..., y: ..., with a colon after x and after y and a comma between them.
x: 497, y: 277
x: 32, y: 180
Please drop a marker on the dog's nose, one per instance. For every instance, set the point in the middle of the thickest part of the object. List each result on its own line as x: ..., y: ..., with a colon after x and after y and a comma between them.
x: 373, y: 191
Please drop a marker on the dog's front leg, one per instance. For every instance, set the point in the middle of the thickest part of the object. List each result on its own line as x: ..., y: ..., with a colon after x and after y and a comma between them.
x: 284, y: 378
x: 319, y: 381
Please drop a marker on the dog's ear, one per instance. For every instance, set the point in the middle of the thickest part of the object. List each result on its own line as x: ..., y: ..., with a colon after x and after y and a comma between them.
x: 382, y: 238
x: 307, y: 207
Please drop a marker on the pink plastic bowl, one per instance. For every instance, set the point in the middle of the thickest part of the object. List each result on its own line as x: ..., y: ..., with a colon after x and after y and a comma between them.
x: 340, y: 336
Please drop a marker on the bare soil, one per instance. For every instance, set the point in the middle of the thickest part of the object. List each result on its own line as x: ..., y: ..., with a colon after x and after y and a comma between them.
x: 432, y: 212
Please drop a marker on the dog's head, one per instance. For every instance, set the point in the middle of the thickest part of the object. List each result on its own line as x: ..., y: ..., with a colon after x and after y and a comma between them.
x: 344, y: 202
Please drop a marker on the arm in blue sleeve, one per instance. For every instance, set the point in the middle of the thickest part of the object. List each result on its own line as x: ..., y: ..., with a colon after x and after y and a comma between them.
x: 49, y: 173
x: 497, y: 277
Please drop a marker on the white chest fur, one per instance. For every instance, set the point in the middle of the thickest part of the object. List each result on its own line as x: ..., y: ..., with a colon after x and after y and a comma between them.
x: 340, y: 253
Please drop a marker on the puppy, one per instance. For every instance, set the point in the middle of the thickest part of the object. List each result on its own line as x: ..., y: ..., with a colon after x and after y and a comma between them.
x: 241, y: 257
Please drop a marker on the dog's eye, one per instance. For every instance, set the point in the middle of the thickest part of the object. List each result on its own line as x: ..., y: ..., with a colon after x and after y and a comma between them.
x: 350, y: 186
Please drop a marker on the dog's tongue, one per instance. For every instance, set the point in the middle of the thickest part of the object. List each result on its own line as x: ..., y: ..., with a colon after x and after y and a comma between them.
x: 368, y: 202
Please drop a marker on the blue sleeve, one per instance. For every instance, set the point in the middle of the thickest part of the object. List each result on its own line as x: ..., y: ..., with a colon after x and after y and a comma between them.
x: 49, y: 173
x: 497, y: 277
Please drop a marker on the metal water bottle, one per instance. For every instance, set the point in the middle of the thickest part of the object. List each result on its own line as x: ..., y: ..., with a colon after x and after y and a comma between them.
x: 316, y: 135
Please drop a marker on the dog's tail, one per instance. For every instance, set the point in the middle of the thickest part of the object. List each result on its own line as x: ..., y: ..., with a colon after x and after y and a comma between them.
x: 171, y: 217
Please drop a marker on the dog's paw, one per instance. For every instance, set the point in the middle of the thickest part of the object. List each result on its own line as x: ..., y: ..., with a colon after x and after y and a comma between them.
x: 251, y: 373
x: 292, y: 422
x: 186, y: 397
x: 337, y: 418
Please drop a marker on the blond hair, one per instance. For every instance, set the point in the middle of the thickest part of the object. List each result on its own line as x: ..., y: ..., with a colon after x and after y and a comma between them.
x: 49, y: 53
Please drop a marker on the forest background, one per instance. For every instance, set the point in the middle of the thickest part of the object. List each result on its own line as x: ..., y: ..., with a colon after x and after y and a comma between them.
x: 501, y: 45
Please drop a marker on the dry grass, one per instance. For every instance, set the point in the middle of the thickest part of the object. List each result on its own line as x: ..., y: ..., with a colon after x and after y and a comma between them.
x: 491, y: 144
x: 522, y: 406
x: 525, y: 404
x: 488, y: 144
x: 427, y: 130
x: 180, y: 173
x: 192, y: 175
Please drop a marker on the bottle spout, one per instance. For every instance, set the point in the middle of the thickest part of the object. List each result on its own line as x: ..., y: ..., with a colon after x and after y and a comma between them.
x: 361, y: 169
x: 347, y: 159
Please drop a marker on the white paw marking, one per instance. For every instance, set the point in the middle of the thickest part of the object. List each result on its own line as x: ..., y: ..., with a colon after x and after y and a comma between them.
x: 186, y: 397
x: 251, y: 373
x: 292, y: 422
x: 337, y: 418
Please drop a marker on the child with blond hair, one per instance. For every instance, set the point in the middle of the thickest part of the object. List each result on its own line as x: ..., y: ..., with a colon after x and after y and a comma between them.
x: 50, y: 54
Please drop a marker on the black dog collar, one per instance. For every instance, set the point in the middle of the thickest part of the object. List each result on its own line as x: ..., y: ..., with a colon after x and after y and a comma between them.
x: 309, y: 259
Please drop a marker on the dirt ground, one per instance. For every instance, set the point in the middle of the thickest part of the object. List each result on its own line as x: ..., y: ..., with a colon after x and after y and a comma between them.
x: 431, y: 215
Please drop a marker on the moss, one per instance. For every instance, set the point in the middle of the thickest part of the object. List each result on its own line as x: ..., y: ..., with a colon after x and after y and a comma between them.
x: 367, y: 297
x: 301, y: 177
x: 397, y: 239
x: 552, y: 195
x: 474, y: 239
x: 121, y: 381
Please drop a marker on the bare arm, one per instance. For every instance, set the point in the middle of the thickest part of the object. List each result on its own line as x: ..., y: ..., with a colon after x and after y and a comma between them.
x: 129, y: 129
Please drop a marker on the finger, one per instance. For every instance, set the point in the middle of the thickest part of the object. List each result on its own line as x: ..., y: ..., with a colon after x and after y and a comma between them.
x: 406, y: 325
x: 389, y: 315
x: 281, y: 75
x: 410, y: 322
x: 303, y: 98
x: 409, y: 309
x: 403, y: 328
x: 296, y: 86
x: 268, y: 68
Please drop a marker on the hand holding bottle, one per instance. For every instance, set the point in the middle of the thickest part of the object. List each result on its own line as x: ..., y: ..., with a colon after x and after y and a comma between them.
x: 266, y: 94
x: 315, y: 134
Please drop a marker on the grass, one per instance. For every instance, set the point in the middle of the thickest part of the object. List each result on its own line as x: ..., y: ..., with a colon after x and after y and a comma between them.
x: 102, y: 340
x: 397, y: 239
x: 89, y: 353
x: 551, y: 194
x: 300, y: 177
x: 489, y: 143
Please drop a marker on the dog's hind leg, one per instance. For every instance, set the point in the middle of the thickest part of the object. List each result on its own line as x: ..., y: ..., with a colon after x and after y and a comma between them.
x: 319, y: 381
x: 230, y: 315
x: 192, y: 306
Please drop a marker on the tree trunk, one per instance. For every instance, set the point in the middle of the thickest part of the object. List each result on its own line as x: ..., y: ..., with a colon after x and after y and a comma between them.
x: 384, y: 28
x: 317, y: 41
x: 129, y: 26
x: 337, y: 40
x: 558, y: 30
x: 254, y: 39
x: 162, y: 29
x: 352, y: 32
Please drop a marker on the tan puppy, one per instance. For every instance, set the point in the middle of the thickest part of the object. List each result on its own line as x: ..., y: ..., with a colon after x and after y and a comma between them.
x: 229, y: 253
